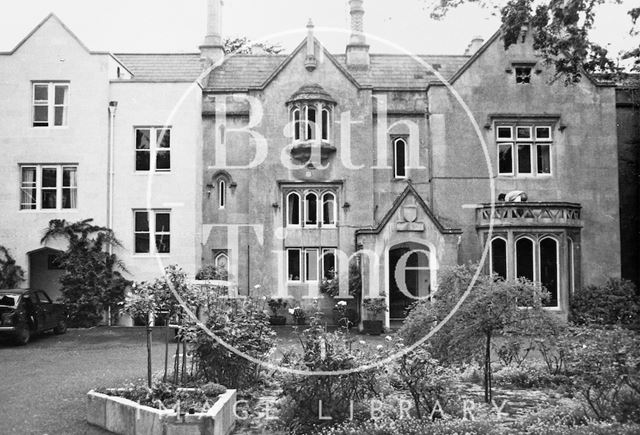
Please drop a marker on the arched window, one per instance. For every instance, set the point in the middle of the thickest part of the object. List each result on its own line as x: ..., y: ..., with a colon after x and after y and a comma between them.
x: 311, y: 209
x: 293, y: 209
x: 524, y: 259
x: 325, y: 123
x: 222, y: 261
x: 499, y: 257
x: 328, y: 209
x: 222, y: 193
x: 399, y: 158
x: 549, y: 269
x: 296, y: 123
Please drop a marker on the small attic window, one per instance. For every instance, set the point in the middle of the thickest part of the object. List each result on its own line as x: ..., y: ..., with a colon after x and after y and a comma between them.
x: 523, y: 74
x: 118, y: 72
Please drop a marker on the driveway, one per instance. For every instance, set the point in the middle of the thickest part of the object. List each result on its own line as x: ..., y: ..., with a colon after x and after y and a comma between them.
x: 43, y: 385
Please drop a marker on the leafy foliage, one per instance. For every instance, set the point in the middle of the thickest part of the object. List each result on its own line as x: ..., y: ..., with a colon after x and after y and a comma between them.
x: 331, y: 286
x: 492, y: 307
x: 614, y: 303
x: 11, y: 275
x: 375, y: 306
x: 92, y: 279
x: 242, y: 45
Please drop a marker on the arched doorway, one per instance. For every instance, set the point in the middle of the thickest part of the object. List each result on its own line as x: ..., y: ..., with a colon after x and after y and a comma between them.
x: 410, y: 276
x: 45, y: 272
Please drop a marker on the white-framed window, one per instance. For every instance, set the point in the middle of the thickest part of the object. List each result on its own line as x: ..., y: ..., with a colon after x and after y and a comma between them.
x: 222, y: 193
x: 310, y: 264
x: 311, y: 207
x: 293, y: 209
x: 48, y: 187
x: 399, y: 157
x: 310, y: 121
x: 50, y: 104
x: 153, y: 149
x: 524, y: 150
x: 152, y: 231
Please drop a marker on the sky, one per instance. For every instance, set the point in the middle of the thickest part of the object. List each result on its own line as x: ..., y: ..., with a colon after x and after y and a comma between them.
x: 179, y: 26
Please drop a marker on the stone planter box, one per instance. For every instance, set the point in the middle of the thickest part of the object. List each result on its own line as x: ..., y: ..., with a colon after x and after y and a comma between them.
x: 126, y: 417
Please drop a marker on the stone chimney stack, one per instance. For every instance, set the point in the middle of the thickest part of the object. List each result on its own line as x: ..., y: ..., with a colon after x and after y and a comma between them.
x: 357, y: 49
x: 212, y: 49
x: 474, y: 46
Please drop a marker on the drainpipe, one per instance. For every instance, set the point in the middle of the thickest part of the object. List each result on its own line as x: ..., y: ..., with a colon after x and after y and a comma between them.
x: 113, y: 105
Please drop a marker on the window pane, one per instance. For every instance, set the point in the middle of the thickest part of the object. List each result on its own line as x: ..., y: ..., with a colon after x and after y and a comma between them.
x: 163, y: 243
x: 162, y: 222
x: 293, y: 262
x: 222, y: 193
x: 524, y: 159
x: 505, y: 159
x: 61, y: 92
x: 400, y: 158
x: 41, y: 116
x: 544, y: 159
x: 69, y: 198
x: 28, y: 189
x: 164, y: 140
x: 523, y: 132
x: 41, y: 93
x: 543, y: 133
x: 311, y: 123
x: 311, y: 208
x: 69, y: 177
x: 524, y: 259
x: 504, y: 133
x: 60, y: 115
x: 499, y: 257
x: 49, y: 177
x: 549, y: 270
x: 325, y: 125
x: 142, y: 221
x: 142, y: 243
x: 328, y: 203
x: 293, y: 209
x: 163, y: 160
x: 311, y: 264
x: 296, y: 124
x: 143, y: 160
x: 328, y: 264
x: 142, y: 139
x: 49, y: 198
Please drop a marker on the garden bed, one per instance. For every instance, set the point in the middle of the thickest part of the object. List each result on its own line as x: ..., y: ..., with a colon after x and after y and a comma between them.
x: 120, y: 415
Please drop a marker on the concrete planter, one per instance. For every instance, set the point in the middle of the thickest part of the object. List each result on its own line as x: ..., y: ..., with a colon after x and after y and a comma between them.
x: 126, y: 417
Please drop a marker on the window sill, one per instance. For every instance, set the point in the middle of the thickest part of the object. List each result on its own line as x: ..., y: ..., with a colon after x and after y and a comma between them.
x: 147, y: 173
x: 525, y: 177
x: 150, y: 256
x: 58, y: 127
x: 51, y: 210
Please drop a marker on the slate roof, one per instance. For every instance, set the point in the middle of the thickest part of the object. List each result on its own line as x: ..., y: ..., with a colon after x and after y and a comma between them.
x: 162, y: 66
x: 385, y: 71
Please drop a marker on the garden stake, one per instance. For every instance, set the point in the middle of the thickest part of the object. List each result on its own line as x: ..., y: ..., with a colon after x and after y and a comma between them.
x: 149, y: 331
x: 166, y: 348
x: 184, y: 361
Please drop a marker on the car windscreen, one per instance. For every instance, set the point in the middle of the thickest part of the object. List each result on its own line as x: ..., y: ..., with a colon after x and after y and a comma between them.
x: 9, y: 300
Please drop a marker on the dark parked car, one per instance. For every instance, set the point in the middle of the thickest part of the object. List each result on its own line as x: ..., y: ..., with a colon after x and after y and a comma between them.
x: 25, y: 312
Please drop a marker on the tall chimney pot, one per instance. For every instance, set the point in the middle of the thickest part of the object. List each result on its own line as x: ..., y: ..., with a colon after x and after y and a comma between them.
x: 212, y: 50
x: 357, y: 49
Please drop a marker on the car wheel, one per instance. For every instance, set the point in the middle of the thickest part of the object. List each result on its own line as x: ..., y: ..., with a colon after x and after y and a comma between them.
x: 23, y: 336
x: 60, y: 328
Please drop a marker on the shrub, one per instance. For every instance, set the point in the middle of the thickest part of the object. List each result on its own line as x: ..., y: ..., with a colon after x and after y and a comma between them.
x: 240, y: 324
x: 616, y: 302
x: 526, y: 376
x: 411, y: 426
x: 605, y: 368
x: 11, y: 275
x: 327, y: 352
x: 512, y: 351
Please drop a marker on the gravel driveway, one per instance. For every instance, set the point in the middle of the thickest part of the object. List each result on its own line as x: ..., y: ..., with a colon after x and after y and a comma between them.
x: 44, y: 384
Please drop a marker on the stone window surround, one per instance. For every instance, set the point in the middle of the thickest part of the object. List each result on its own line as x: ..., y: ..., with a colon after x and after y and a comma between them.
x: 320, y: 193
x: 535, y: 144
x: 302, y: 263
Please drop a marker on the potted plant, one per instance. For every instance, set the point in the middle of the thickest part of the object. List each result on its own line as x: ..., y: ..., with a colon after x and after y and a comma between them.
x: 298, y: 314
x: 276, y: 305
x: 374, y: 306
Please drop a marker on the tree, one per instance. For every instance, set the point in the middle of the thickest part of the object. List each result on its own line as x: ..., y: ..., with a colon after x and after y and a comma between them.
x: 242, y: 45
x: 10, y: 273
x: 493, y: 307
x: 560, y: 31
x: 92, y: 280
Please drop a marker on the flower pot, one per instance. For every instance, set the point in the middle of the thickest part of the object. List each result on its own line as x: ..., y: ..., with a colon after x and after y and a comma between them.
x: 372, y: 327
x: 278, y: 320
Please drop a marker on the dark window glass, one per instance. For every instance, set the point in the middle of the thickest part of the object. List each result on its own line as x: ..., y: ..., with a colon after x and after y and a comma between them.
x: 142, y: 243
x: 544, y: 159
x: 293, y: 209
x: 142, y: 221
x: 143, y: 155
x: 400, y: 158
x: 293, y: 261
x: 311, y: 207
x: 505, y: 159
x: 524, y: 259
x: 524, y: 159
x: 163, y: 245
x: 549, y: 270
x: 328, y: 203
x: 162, y: 222
x: 311, y: 123
x: 504, y: 133
x: 163, y: 160
x: 49, y: 191
x: 325, y: 125
x: 328, y: 264
x: 499, y: 257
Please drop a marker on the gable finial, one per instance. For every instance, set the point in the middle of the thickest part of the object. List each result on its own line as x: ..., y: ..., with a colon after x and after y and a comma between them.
x: 310, y: 61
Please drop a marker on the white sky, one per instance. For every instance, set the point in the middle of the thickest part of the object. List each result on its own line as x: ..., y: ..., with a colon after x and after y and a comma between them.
x: 179, y: 26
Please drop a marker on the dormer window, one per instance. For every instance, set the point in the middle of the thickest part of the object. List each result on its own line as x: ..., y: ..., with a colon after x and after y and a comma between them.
x: 523, y: 74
